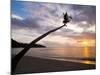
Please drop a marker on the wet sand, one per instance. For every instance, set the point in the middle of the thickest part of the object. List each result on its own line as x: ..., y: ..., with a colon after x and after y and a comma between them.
x: 30, y: 64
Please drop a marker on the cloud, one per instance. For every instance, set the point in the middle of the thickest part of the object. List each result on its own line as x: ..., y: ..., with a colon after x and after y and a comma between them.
x: 17, y: 17
x: 92, y: 29
x: 85, y: 13
x: 57, y: 41
x: 42, y: 17
x: 50, y: 13
x: 85, y: 35
x: 24, y: 35
x: 25, y: 23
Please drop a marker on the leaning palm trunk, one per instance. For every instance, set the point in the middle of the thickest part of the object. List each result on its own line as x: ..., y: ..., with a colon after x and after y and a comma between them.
x: 17, y: 58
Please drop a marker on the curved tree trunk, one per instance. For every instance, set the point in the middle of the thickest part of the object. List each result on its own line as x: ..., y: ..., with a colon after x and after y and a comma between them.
x: 17, y: 58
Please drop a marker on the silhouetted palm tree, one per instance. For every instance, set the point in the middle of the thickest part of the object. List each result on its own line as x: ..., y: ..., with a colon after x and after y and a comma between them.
x: 66, y: 18
x: 16, y: 59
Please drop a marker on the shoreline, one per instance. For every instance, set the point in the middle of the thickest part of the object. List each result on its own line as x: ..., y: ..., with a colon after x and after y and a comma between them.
x: 30, y: 64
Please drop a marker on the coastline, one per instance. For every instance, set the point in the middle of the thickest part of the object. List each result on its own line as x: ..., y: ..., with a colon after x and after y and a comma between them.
x: 30, y: 64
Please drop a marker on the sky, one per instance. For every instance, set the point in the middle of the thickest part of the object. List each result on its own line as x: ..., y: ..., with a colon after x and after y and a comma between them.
x: 29, y: 20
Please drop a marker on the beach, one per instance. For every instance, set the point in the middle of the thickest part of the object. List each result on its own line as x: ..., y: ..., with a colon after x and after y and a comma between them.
x: 30, y: 64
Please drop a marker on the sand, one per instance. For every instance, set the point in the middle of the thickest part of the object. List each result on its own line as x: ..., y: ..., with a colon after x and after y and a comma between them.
x: 39, y: 65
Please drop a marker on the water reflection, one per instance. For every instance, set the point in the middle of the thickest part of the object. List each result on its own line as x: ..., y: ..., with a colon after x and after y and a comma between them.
x: 85, y: 55
x: 88, y: 54
x: 85, y: 52
x: 82, y: 52
x: 88, y: 62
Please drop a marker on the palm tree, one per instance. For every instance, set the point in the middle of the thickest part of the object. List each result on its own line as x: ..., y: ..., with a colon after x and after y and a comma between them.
x: 17, y: 58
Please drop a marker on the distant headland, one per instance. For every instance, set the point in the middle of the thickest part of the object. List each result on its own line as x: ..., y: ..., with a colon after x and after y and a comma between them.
x: 15, y: 44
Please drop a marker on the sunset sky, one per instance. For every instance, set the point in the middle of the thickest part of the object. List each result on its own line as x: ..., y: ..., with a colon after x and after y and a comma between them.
x: 32, y: 19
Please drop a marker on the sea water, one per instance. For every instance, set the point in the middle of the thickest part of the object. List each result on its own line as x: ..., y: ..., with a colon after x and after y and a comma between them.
x: 84, y: 55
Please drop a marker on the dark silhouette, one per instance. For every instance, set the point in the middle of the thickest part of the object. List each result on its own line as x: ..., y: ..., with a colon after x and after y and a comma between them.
x: 15, y: 44
x: 66, y: 18
x: 17, y: 58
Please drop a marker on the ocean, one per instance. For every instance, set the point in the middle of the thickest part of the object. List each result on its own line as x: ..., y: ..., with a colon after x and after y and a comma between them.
x: 85, y: 55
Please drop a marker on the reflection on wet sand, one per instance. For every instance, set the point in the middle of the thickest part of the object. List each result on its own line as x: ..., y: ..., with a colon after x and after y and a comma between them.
x: 88, y: 62
x: 87, y: 54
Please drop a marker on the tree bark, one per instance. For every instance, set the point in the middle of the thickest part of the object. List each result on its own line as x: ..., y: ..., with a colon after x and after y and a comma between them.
x: 17, y: 58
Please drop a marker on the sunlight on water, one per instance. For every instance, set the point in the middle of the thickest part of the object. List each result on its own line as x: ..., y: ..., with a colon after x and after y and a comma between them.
x: 77, y: 54
x: 88, y: 52
x: 88, y: 62
x: 85, y: 52
x: 59, y: 52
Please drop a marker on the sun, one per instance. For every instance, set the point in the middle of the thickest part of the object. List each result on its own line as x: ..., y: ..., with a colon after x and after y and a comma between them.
x: 89, y: 42
x: 85, y: 43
